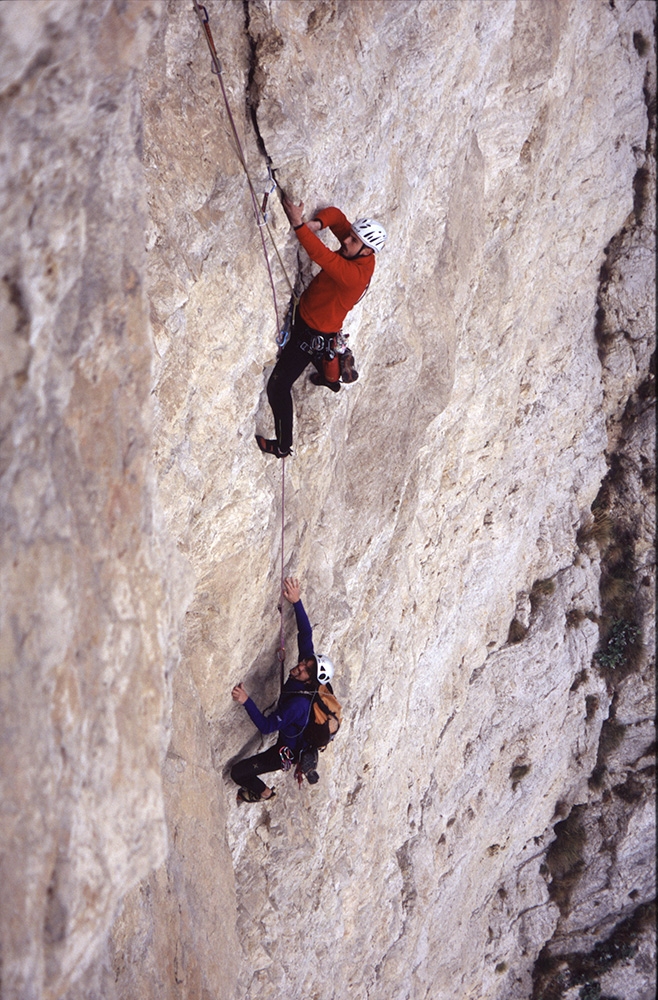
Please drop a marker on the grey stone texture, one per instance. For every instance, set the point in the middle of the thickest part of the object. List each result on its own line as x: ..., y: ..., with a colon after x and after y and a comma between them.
x: 458, y: 517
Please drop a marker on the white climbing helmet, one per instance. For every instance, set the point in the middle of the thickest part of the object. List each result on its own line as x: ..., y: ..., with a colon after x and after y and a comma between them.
x: 370, y: 232
x: 325, y: 669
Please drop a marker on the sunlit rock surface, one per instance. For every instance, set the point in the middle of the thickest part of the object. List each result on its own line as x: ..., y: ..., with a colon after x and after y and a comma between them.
x: 486, y: 812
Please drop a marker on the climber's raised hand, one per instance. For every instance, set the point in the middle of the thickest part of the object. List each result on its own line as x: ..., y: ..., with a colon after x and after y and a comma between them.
x: 291, y: 589
x: 294, y: 212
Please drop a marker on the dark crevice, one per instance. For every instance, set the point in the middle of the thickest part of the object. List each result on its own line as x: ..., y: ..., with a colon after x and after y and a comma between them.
x: 253, y: 88
x: 615, y: 249
x: 564, y: 858
x: 17, y: 300
x: 554, y: 975
x: 643, y: 192
x: 616, y: 528
x: 642, y: 182
x: 271, y: 43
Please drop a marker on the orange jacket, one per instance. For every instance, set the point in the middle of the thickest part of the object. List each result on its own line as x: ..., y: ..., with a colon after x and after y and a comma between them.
x: 341, y: 282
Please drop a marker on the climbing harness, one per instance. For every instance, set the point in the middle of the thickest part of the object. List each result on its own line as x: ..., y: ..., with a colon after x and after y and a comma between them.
x: 322, y: 723
x: 322, y: 348
x: 319, y: 344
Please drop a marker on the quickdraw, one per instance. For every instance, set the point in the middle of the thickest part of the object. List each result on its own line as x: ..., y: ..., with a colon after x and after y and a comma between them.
x: 271, y: 189
x: 283, y: 335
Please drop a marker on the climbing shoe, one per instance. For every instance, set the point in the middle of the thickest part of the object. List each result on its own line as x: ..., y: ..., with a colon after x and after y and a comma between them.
x: 269, y: 447
x: 317, y: 379
x: 246, y: 795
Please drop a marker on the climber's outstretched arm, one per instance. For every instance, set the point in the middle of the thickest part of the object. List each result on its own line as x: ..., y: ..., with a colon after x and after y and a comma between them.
x: 239, y: 694
x: 292, y: 593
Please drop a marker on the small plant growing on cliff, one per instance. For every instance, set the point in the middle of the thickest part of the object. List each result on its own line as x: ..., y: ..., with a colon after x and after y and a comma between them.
x: 622, y: 635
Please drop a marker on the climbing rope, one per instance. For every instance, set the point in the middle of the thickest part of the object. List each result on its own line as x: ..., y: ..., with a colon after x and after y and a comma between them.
x: 262, y: 221
x: 281, y: 652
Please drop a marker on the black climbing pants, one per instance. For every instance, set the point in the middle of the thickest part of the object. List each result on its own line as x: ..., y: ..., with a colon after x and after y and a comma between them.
x: 245, y: 772
x: 292, y: 362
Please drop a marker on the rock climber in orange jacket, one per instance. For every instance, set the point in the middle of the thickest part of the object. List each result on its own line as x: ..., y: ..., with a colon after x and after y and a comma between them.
x: 322, y: 309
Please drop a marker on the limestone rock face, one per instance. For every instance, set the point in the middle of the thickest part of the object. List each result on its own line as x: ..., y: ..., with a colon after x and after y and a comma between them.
x: 92, y: 589
x: 486, y: 812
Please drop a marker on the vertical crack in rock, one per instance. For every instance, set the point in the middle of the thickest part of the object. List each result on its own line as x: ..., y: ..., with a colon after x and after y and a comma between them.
x: 254, y: 79
x: 16, y: 357
x: 16, y: 300
x: 267, y: 43
x: 555, y: 977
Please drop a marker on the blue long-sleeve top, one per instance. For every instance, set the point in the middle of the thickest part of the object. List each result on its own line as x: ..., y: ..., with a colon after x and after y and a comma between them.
x: 304, y: 633
x: 291, y: 714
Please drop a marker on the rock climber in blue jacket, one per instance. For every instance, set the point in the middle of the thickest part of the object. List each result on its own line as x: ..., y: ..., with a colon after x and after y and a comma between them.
x: 292, y: 712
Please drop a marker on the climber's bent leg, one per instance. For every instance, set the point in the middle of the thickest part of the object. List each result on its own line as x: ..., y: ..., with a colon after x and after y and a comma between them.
x: 287, y: 370
x: 245, y: 772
